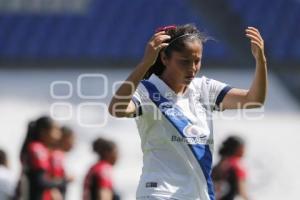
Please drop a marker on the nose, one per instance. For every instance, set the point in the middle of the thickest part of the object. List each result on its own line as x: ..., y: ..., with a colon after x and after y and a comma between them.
x: 193, y: 67
x: 196, y: 65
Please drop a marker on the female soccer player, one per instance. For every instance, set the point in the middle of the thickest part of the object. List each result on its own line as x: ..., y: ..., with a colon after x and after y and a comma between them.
x: 174, y: 109
x: 42, y: 136
x: 98, y: 181
x: 229, y: 174
x: 57, y: 157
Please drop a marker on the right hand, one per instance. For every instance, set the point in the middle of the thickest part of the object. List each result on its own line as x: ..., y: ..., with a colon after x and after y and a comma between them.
x: 154, y: 46
x: 70, y: 178
x: 56, y: 194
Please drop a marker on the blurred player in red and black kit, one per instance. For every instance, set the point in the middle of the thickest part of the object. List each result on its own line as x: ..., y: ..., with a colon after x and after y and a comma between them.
x: 42, y: 136
x: 98, y: 182
x: 229, y: 174
x: 57, y: 157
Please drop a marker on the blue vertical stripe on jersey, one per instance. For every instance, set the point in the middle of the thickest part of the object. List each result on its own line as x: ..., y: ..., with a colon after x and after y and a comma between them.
x: 179, y: 121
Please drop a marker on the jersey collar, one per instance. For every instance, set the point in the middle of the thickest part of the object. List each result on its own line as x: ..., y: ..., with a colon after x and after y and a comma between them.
x: 165, y: 90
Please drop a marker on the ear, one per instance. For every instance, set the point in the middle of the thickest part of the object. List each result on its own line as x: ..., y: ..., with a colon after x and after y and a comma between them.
x: 164, y: 58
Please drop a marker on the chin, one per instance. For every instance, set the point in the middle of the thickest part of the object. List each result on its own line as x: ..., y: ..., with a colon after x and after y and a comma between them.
x: 187, y: 81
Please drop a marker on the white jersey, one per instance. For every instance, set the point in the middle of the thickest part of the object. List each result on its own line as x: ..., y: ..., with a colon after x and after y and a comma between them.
x: 177, y: 166
x: 7, y: 183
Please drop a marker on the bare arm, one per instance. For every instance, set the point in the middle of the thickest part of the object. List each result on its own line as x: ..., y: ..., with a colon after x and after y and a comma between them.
x: 56, y: 194
x: 105, y: 194
x: 121, y: 104
x: 256, y: 95
x: 242, y: 191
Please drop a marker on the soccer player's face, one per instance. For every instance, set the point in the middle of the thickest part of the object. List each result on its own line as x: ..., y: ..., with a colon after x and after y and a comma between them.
x: 113, y: 156
x: 67, y: 142
x: 240, y: 151
x: 186, y: 64
x: 54, y: 135
x: 55, y: 132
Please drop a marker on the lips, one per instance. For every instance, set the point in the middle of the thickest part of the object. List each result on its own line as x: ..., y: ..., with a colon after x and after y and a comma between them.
x: 190, y: 77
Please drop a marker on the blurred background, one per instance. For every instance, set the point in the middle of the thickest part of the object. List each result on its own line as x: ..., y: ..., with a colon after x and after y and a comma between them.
x: 65, y: 58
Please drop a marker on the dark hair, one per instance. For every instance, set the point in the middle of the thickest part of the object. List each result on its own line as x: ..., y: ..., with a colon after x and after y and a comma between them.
x: 102, y: 146
x: 179, y: 36
x: 34, y: 131
x: 230, y: 146
x: 3, y: 158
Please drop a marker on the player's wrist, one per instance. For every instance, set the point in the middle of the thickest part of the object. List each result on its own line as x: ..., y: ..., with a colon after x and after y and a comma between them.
x: 261, y: 58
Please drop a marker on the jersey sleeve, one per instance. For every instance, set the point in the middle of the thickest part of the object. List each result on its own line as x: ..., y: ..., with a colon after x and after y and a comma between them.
x: 138, y: 99
x: 217, y: 91
x: 240, y: 172
x: 104, y: 177
x: 57, y: 164
x: 39, y: 157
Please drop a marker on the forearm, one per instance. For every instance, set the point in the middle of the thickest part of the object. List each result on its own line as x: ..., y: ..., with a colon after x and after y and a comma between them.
x: 255, y: 96
x: 123, y: 95
x: 105, y: 194
x: 242, y: 191
x: 121, y: 104
x: 258, y: 90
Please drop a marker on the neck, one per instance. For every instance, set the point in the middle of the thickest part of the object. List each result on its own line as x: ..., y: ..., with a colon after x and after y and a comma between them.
x: 173, y: 83
x: 105, y: 160
x: 44, y: 142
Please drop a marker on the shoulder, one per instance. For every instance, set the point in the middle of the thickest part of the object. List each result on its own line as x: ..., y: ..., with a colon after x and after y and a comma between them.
x: 57, y: 155
x: 140, y: 92
x: 100, y: 166
x: 200, y: 84
x: 238, y: 167
x: 236, y: 163
x: 150, y: 85
x: 38, y: 155
x: 202, y: 80
x: 102, y: 169
x: 36, y: 147
x: 141, y: 95
x: 205, y: 80
x: 104, y: 166
x: 38, y: 152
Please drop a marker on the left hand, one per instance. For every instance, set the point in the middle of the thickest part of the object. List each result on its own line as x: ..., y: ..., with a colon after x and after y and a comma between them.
x: 257, y: 44
x: 70, y: 178
x: 56, y: 194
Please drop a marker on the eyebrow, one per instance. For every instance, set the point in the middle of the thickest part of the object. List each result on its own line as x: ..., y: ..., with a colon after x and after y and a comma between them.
x: 185, y: 59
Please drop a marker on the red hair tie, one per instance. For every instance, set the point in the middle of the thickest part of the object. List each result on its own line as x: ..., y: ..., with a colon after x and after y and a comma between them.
x: 165, y: 28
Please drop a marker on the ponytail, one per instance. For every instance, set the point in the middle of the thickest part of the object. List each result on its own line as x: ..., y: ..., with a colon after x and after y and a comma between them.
x: 34, y: 131
x: 30, y: 137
